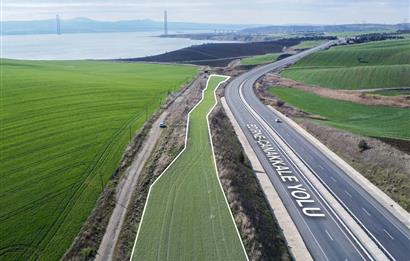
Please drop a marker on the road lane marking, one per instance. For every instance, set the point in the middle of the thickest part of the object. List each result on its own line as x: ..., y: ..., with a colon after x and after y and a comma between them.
x: 348, y: 193
x: 334, y: 180
x: 366, y: 212
x: 328, y: 234
x: 320, y: 166
x: 385, y: 231
x: 262, y: 121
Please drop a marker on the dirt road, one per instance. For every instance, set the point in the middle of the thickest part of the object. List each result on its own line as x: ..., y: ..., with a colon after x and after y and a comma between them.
x: 124, y: 192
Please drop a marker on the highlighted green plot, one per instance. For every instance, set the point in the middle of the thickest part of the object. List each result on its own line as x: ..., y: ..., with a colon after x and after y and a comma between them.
x: 187, y: 216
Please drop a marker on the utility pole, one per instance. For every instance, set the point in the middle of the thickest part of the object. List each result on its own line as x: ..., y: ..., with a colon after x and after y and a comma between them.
x: 58, y: 24
x: 165, y: 23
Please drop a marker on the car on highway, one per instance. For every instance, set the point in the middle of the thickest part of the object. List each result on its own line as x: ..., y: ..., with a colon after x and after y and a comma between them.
x: 278, y: 120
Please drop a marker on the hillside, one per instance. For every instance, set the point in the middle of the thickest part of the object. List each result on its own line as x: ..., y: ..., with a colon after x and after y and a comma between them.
x: 362, y: 66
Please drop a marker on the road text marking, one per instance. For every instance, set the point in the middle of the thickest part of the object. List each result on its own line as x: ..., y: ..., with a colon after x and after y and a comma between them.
x: 297, y: 191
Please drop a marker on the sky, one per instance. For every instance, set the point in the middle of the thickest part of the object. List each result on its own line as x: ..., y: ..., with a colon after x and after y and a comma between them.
x: 215, y: 11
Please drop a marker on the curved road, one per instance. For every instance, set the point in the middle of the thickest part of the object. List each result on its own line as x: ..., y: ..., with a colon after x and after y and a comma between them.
x: 323, y: 231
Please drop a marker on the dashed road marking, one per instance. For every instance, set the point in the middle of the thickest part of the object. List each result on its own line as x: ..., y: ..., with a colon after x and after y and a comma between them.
x: 350, y: 195
x: 328, y: 234
x: 392, y: 238
x: 366, y: 212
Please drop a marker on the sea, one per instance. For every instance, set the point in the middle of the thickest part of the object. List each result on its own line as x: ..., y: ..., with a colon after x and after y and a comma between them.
x: 79, y: 46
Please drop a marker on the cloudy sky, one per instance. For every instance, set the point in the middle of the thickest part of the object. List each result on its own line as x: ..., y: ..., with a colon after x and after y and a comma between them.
x: 215, y: 11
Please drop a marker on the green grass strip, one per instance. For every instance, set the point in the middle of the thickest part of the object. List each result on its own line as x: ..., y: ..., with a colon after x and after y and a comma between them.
x: 260, y: 59
x: 186, y: 216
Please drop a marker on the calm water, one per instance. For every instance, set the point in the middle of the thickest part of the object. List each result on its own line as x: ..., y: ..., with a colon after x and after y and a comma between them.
x: 89, y: 46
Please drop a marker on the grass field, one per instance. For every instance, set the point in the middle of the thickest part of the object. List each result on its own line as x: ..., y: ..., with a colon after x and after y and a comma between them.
x: 376, y: 121
x: 308, y: 44
x: 64, y: 126
x: 186, y: 216
x: 356, y: 33
x: 362, y: 66
x: 260, y: 59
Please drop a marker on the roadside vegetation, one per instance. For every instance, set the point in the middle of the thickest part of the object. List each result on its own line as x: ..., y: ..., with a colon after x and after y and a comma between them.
x: 186, y: 216
x: 260, y: 59
x: 363, y: 66
x: 261, y: 234
x: 308, y: 44
x: 374, y: 121
x: 393, y: 92
x: 64, y: 128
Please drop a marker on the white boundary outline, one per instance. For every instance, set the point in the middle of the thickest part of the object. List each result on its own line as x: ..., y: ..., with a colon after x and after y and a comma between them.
x: 179, y: 154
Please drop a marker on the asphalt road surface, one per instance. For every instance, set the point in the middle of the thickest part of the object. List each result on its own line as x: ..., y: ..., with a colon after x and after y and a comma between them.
x: 324, y: 232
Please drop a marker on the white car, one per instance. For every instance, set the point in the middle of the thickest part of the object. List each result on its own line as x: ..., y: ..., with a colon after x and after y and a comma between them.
x: 278, y: 120
x: 162, y: 125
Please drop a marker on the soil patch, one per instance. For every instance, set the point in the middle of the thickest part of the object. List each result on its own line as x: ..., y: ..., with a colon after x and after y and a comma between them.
x: 218, y: 54
x: 344, y: 95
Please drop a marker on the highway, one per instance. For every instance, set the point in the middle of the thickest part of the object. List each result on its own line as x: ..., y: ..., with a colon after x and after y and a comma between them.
x: 325, y: 234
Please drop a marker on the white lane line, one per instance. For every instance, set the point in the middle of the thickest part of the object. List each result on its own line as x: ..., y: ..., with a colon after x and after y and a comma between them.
x: 350, y: 195
x: 328, y: 234
x: 320, y: 166
x: 334, y: 180
x: 366, y: 212
x: 392, y: 238
x: 262, y: 122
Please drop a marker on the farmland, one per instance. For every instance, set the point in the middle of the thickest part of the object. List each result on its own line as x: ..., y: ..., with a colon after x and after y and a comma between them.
x: 64, y: 127
x: 377, y: 121
x: 362, y: 66
x: 186, y: 216
x: 260, y: 59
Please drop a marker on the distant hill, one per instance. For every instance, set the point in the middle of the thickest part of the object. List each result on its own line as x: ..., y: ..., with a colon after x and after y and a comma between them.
x: 85, y: 25
x: 326, y: 28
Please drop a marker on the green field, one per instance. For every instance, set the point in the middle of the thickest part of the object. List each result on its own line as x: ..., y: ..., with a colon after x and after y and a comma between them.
x: 186, y: 216
x: 362, y: 66
x: 376, y: 121
x: 356, y: 33
x: 308, y: 44
x: 64, y: 127
x: 260, y: 59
